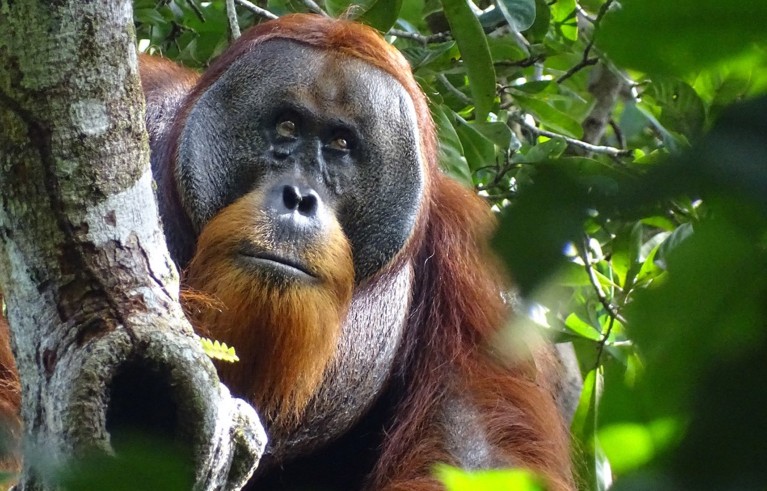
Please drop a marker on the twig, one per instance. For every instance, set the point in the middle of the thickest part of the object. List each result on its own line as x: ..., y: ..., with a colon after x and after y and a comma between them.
x: 231, y: 15
x: 256, y: 10
x: 432, y: 38
x: 500, y: 171
x: 524, y: 63
x: 611, y: 151
x: 611, y: 309
x: 578, y: 67
x: 587, y: 60
x: 618, y: 133
x: 196, y: 10
x: 313, y: 7
x: 580, y: 10
x: 451, y: 88
x: 603, y: 341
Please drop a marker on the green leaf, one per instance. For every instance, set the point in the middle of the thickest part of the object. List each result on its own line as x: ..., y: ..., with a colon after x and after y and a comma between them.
x: 478, y: 149
x: 563, y: 15
x: 379, y: 14
x: 500, y: 134
x: 505, y: 49
x: 460, y: 480
x: 582, y: 328
x: 140, y: 463
x: 628, y: 446
x: 677, y: 237
x: 451, y: 153
x: 148, y: 16
x: 681, y: 109
x: 680, y: 36
x: 582, y: 425
x: 551, y: 117
x: 542, y: 152
x: 535, y: 228
x: 475, y: 54
x: 520, y: 14
x: 217, y: 350
x: 382, y: 14
x: 412, y: 11
x: 537, y: 32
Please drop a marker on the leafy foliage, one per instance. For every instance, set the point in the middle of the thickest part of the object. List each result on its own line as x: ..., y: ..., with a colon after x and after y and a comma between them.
x: 216, y: 350
x: 140, y: 464
x: 623, y: 145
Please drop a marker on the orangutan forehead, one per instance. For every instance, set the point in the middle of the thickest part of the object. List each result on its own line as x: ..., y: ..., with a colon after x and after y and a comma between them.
x: 324, y: 79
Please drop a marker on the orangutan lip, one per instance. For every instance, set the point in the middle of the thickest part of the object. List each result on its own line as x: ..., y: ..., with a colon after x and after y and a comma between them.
x: 271, y: 260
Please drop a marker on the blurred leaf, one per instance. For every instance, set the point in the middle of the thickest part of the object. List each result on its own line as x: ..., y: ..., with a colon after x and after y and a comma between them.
x: 678, y: 37
x: 726, y: 443
x: 140, y: 464
x: 459, y: 480
x: 629, y: 446
x: 535, y: 229
x: 681, y: 110
x: 475, y: 54
x: 520, y: 14
x: 671, y: 242
x: 668, y: 321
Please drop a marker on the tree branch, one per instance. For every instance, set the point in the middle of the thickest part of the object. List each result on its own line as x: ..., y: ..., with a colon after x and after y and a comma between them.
x: 432, y: 38
x: 609, y: 307
x: 611, y: 151
x: 256, y: 10
x: 313, y: 7
x: 234, y: 25
x: 587, y: 60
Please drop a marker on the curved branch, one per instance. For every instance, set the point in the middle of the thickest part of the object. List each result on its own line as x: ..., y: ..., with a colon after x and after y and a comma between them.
x: 611, y: 151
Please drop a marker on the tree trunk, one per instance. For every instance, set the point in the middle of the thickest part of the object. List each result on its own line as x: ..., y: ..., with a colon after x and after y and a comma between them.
x: 100, y: 340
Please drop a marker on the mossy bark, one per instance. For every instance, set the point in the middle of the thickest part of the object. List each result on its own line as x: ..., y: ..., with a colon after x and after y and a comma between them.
x: 90, y: 290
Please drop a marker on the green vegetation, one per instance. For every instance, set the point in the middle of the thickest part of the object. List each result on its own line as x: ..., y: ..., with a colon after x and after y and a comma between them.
x: 625, y: 147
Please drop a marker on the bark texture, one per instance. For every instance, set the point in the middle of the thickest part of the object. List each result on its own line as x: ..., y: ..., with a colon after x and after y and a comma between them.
x: 92, y: 296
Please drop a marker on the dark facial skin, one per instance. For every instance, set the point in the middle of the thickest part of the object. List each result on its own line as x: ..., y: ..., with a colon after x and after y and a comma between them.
x: 318, y: 130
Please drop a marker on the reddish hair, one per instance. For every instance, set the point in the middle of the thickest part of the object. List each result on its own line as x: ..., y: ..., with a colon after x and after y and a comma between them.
x: 456, y: 309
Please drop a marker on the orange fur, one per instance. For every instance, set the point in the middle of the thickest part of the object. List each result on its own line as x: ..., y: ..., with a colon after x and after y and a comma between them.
x: 10, y: 402
x: 285, y: 334
x: 459, y: 313
x: 456, y: 309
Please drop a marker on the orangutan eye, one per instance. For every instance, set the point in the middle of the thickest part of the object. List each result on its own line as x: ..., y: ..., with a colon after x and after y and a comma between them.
x: 286, y: 128
x: 339, y: 143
